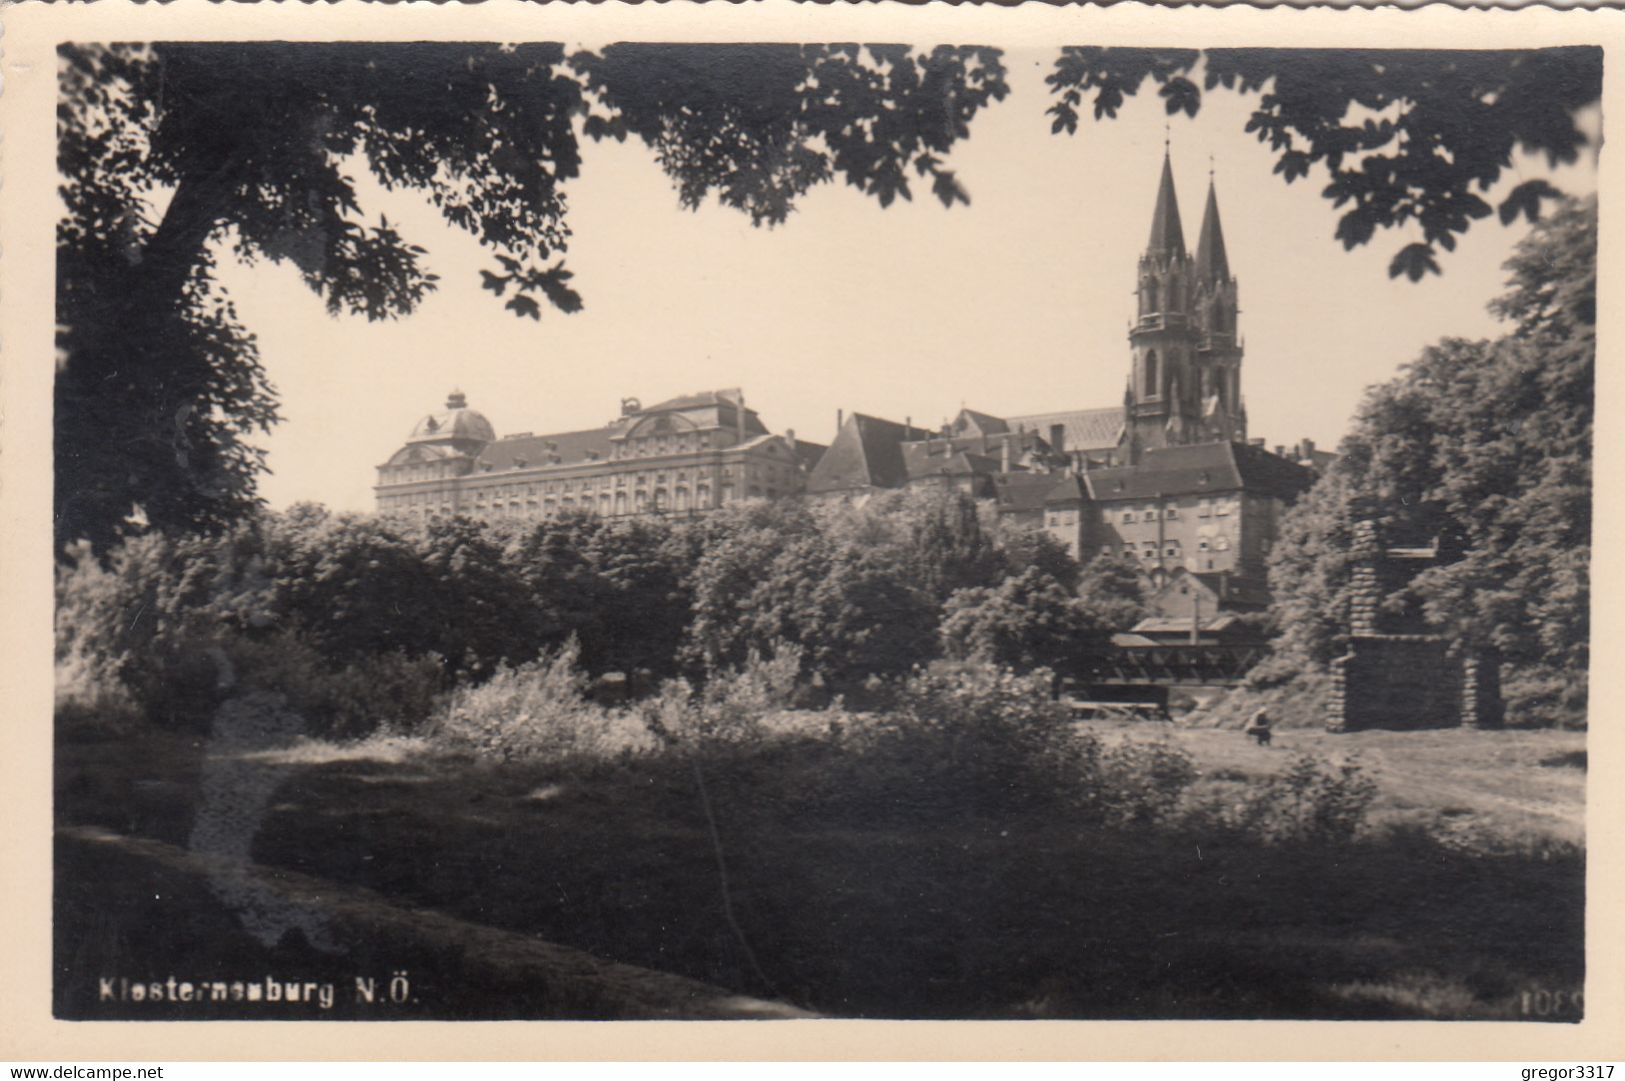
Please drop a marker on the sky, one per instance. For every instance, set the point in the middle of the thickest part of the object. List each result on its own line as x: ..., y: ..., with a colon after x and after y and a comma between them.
x: 1018, y: 303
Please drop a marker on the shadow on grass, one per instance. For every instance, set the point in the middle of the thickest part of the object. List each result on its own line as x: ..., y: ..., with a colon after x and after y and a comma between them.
x: 851, y: 895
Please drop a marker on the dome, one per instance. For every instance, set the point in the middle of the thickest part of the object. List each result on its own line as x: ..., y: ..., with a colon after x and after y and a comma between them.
x: 457, y: 422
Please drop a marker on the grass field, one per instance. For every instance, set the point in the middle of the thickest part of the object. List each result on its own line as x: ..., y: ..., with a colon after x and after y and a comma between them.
x: 752, y: 874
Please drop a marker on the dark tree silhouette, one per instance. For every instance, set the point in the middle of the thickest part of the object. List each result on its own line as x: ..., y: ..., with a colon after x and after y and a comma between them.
x: 1489, y: 445
x: 169, y: 151
x: 252, y: 144
x: 1408, y: 137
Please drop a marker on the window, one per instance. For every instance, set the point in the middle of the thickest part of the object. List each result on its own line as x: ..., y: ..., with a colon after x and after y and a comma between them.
x: 1151, y: 374
x: 1171, y: 512
x: 1128, y: 517
x: 1172, y: 551
x: 1201, y: 546
x: 1150, y: 514
x: 1106, y: 550
x: 1222, y: 508
x: 1204, y: 508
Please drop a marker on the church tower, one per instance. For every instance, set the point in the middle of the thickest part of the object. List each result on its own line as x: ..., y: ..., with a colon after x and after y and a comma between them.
x: 1218, y: 350
x: 1184, y: 385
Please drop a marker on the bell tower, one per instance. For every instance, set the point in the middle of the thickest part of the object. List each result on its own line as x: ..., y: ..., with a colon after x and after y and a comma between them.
x: 1218, y: 347
x: 1162, y: 407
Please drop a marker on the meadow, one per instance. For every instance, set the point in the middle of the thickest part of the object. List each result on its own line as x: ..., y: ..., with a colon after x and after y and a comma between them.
x: 805, y: 869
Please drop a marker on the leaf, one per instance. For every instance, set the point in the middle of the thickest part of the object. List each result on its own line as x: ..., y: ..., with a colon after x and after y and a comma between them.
x: 523, y: 305
x: 1525, y: 199
x: 1181, y: 95
x: 494, y: 282
x: 949, y: 190
x: 1413, y: 261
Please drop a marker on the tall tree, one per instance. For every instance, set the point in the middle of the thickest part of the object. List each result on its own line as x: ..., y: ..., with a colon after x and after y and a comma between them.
x: 1488, y: 445
x: 172, y: 151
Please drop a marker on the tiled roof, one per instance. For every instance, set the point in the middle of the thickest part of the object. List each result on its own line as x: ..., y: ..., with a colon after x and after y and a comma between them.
x: 1067, y: 489
x: 866, y: 453
x: 697, y: 401
x: 1016, y: 492
x: 809, y: 453
x: 535, y: 451
x: 1176, y: 624
x: 1084, y: 429
x: 1200, y: 467
x: 963, y: 454
x: 973, y: 422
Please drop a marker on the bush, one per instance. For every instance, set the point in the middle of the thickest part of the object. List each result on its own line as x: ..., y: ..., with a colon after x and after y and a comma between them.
x: 973, y: 736
x: 538, y: 710
x: 1309, y: 802
x: 1142, y: 783
x: 732, y: 706
x: 385, y: 692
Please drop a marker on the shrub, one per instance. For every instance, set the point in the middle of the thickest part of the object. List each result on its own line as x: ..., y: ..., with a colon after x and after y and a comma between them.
x: 384, y: 692
x: 976, y: 736
x: 733, y: 704
x: 1142, y: 783
x: 538, y: 710
x: 1309, y: 802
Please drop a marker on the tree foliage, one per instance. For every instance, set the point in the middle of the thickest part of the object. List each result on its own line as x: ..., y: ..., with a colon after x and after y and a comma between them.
x: 175, y: 152
x: 173, y: 155
x: 1487, y: 445
x: 1025, y: 622
x: 1409, y: 138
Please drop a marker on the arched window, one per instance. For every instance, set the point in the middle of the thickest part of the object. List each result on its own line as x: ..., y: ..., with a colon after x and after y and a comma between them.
x: 682, y: 499
x: 702, y: 496
x: 660, y: 499
x: 1153, y: 377
x: 1151, y: 295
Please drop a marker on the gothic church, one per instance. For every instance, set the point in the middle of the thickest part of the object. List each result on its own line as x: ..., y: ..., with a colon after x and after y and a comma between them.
x: 1168, y: 479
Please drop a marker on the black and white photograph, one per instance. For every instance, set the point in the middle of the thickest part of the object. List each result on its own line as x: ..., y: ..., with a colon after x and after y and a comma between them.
x: 564, y: 528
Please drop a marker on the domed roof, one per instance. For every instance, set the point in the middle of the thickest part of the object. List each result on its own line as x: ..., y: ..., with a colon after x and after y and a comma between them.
x: 456, y: 422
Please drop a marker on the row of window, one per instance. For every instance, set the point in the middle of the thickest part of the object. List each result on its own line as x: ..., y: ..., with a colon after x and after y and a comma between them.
x: 1205, y: 508
x: 640, y: 502
x: 1171, y: 548
x: 772, y: 474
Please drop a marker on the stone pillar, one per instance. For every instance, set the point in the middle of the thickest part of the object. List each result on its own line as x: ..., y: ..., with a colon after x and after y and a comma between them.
x: 1365, y: 583
x: 1337, y: 717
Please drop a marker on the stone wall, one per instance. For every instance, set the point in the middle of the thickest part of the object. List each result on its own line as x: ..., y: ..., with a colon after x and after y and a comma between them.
x: 1396, y: 675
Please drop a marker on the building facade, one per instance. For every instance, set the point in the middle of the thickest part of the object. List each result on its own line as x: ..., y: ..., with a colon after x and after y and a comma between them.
x: 684, y: 456
x: 1168, y: 478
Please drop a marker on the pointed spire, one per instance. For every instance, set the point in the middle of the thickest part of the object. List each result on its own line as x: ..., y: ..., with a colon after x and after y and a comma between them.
x: 1167, y: 237
x: 1211, y: 261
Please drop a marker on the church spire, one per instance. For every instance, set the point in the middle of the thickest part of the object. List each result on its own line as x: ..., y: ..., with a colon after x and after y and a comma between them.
x: 1167, y: 237
x: 1211, y: 262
